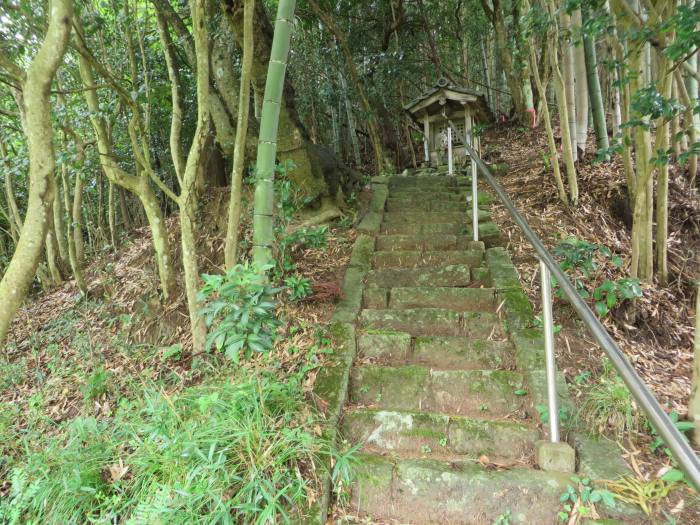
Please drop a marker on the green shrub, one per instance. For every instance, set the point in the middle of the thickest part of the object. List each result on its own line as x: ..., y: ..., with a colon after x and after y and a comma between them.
x: 611, y: 293
x: 298, y: 287
x: 581, y: 259
x: 240, y: 311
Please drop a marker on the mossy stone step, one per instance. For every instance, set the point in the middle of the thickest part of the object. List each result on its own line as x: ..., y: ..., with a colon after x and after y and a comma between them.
x: 479, y: 393
x: 439, y: 434
x: 429, y: 182
x: 423, y: 491
x: 463, y: 299
x: 426, y: 259
x: 399, y: 348
x: 426, y: 242
x: 430, y: 204
x: 434, y: 321
x: 390, y: 347
x: 460, y: 352
x: 488, y: 231
x: 450, y: 275
x: 432, y: 217
x: 410, y: 228
x: 418, y: 199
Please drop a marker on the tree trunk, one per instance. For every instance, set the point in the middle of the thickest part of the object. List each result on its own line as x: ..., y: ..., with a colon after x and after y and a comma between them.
x: 352, y: 131
x: 263, y: 216
x: 581, y: 86
x: 111, y: 212
x: 123, y: 210
x: 52, y: 255
x: 73, y: 260
x: 694, y: 403
x: 563, y: 105
x: 187, y: 200
x: 642, y: 216
x: 139, y: 185
x: 553, y: 153
x: 234, y: 207
x: 37, y: 115
x: 60, y: 227
x: 567, y: 71
x: 695, y: 119
x: 597, y: 106
x: 513, y: 79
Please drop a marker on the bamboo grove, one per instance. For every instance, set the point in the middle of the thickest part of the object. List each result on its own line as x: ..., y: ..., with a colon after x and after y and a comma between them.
x: 117, y: 115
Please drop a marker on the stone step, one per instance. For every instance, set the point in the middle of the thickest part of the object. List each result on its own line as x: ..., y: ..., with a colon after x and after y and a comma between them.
x: 426, y: 201
x: 426, y: 259
x: 434, y: 321
x: 423, y: 491
x: 426, y: 242
x: 429, y: 204
x: 409, y: 228
x: 460, y: 352
x: 463, y: 299
x: 480, y: 393
x: 429, y: 182
x: 451, y: 275
x: 399, y: 348
x: 433, y: 217
x: 438, y: 435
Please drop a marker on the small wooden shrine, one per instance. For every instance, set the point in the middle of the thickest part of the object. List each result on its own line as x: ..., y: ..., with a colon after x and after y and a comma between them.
x: 436, y: 108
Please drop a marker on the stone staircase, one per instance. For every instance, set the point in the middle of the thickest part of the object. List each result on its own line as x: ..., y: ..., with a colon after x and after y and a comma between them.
x: 441, y: 372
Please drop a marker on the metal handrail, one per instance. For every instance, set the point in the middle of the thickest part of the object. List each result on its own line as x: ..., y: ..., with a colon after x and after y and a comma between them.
x: 687, y: 460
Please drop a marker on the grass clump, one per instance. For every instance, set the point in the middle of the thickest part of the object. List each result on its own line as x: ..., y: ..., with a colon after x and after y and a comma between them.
x: 609, y: 405
x: 229, y: 452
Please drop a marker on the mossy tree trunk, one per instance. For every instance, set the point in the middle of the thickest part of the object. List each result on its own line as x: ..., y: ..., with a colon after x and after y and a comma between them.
x: 71, y: 237
x: 187, y: 200
x: 36, y: 87
x: 234, y: 207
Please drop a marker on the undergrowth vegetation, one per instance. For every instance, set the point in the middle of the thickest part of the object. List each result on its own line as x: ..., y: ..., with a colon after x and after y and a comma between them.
x: 234, y: 451
x: 201, y: 440
x: 585, y: 261
x: 112, y: 430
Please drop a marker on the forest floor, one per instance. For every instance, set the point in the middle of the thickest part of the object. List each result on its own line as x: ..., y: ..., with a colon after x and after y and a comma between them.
x: 656, y: 334
x: 84, y: 381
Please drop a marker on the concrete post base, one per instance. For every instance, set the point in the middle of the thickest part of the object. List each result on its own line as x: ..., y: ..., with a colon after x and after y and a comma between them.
x: 558, y: 457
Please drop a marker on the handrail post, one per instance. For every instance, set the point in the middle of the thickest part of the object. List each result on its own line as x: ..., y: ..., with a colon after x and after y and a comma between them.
x: 426, y: 151
x: 449, y: 150
x: 475, y: 201
x: 550, y: 361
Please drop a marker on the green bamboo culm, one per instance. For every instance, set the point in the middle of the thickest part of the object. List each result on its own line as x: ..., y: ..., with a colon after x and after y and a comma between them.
x: 263, y: 215
x: 597, y: 106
